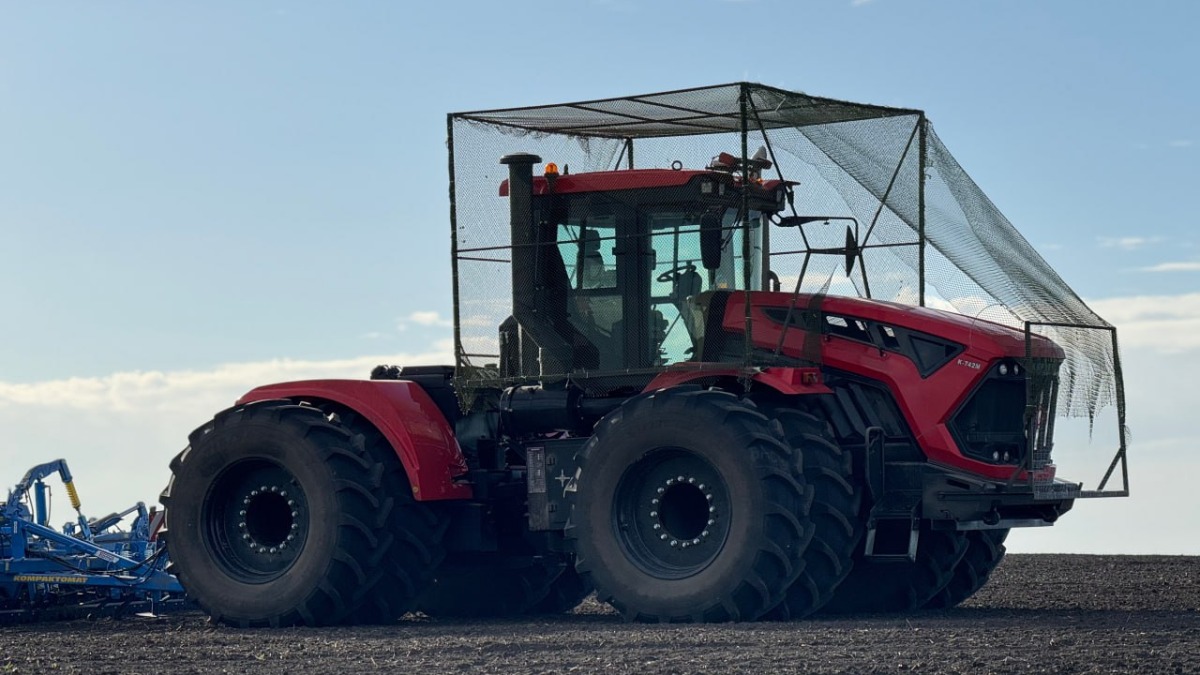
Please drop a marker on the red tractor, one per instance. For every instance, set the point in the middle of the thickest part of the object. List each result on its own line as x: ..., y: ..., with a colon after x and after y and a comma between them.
x: 655, y: 420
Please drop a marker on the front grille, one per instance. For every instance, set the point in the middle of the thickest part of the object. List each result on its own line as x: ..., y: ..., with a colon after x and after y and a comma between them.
x: 1009, y: 418
x: 1042, y: 397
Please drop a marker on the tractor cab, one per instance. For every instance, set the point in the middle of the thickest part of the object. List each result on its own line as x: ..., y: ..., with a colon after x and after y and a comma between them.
x: 619, y: 271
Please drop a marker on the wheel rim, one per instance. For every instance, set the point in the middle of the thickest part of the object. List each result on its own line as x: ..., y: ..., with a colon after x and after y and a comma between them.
x: 257, y: 520
x: 671, y: 513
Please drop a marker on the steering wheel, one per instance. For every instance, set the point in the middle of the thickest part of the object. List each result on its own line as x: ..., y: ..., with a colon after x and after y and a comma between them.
x: 674, y: 273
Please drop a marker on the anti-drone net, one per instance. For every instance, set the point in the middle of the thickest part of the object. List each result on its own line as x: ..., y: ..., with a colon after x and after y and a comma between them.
x: 925, y: 231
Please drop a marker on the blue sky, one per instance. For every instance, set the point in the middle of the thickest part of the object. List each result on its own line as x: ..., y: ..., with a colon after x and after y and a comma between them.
x: 198, y: 197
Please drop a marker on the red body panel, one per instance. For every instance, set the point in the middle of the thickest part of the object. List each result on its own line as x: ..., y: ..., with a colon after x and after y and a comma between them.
x: 407, y: 418
x: 926, y: 403
x: 790, y: 381
x: 629, y: 179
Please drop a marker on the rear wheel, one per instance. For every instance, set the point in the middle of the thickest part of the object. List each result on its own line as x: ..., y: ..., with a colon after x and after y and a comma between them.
x: 836, y: 505
x: 985, y: 550
x: 689, y: 507
x: 280, y: 515
x: 881, y: 585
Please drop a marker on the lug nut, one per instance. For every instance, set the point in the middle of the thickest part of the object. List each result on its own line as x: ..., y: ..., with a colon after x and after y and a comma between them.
x: 274, y: 550
x: 245, y: 537
x: 695, y: 541
x: 692, y: 479
x: 242, y: 525
x: 254, y: 493
x: 291, y: 537
x: 295, y: 513
x: 283, y: 493
x: 674, y: 543
x: 654, y: 501
x: 654, y: 514
x: 291, y: 502
x: 704, y: 534
x: 711, y: 522
x: 663, y: 537
x: 661, y: 490
x: 712, y: 509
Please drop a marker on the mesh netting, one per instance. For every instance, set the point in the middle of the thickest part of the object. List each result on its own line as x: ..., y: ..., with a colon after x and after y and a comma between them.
x: 927, y: 233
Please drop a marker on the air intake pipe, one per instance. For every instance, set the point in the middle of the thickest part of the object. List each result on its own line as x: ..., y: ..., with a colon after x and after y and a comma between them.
x: 524, y: 234
x: 553, y: 353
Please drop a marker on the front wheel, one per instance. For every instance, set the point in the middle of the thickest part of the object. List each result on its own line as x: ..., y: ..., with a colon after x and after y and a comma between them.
x: 985, y: 550
x: 882, y: 585
x: 689, y: 507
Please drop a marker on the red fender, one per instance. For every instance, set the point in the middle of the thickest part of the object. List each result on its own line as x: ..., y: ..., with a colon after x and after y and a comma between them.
x: 407, y: 418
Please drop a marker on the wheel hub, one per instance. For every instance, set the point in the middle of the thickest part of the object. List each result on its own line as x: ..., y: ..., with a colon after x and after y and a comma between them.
x: 671, y: 513
x: 683, y: 511
x: 257, y: 520
x: 268, y: 519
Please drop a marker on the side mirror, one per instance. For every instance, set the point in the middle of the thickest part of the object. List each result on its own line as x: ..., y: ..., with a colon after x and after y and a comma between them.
x: 797, y: 221
x: 710, y: 239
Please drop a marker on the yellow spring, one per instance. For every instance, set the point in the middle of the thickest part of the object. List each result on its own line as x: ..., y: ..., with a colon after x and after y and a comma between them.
x: 73, y: 495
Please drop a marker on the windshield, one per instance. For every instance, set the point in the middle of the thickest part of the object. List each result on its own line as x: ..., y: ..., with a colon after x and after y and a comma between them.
x: 635, y: 278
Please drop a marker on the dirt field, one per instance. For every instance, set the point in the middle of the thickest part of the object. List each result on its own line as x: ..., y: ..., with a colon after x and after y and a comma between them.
x: 1039, y: 614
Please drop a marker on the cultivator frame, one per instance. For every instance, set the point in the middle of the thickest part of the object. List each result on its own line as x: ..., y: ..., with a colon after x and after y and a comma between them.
x: 88, y: 568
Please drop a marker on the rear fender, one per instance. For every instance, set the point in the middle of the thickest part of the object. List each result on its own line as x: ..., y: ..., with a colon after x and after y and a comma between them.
x: 405, y: 415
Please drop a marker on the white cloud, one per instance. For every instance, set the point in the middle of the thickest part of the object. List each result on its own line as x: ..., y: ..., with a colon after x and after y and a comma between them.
x: 1190, y: 266
x: 1127, y: 243
x: 429, y: 319
x: 159, y: 391
x: 1163, y: 323
x: 1181, y: 143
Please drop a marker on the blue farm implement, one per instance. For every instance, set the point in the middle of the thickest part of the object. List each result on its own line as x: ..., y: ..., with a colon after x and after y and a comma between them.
x: 89, y: 568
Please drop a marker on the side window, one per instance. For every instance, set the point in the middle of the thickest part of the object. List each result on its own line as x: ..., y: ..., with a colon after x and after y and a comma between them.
x: 587, y: 252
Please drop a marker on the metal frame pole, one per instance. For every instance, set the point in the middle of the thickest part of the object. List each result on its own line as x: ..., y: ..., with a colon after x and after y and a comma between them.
x: 923, y: 123
x: 747, y: 275
x: 459, y: 358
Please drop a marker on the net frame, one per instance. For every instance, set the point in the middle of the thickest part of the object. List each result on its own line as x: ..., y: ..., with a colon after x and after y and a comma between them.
x: 968, y: 270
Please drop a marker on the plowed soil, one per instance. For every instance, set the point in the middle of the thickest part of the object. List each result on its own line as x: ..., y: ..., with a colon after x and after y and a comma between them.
x: 1039, y: 614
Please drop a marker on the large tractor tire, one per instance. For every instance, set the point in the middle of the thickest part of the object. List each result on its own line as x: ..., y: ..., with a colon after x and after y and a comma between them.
x: 837, y: 503
x: 985, y: 550
x: 485, y: 587
x: 876, y: 585
x: 689, y: 507
x: 279, y: 514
